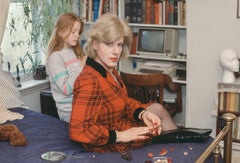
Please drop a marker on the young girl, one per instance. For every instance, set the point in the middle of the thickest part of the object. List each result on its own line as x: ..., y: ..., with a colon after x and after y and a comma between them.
x: 65, y: 60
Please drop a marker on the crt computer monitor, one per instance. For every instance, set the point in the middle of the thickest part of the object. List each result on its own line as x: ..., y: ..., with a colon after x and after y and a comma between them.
x: 157, y: 41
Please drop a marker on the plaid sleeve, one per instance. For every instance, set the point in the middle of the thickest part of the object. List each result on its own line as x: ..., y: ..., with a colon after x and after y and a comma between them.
x: 86, y: 106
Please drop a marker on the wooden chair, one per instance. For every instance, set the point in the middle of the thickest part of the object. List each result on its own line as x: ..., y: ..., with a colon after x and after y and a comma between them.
x: 150, y: 88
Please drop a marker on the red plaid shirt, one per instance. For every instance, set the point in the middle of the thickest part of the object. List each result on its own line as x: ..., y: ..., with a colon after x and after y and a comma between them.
x: 101, y: 106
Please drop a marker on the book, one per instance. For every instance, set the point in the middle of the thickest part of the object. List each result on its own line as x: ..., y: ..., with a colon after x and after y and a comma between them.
x: 134, y: 11
x: 96, y: 4
x: 232, y: 101
x: 149, y: 12
x: 237, y: 128
x: 121, y: 9
x: 184, y: 13
x: 234, y: 129
x: 221, y: 101
x: 113, y: 6
x: 152, y: 12
x: 228, y: 102
x: 128, y: 10
x: 175, y: 13
x: 163, y: 11
x: 143, y: 11
x: 101, y: 5
x: 238, y: 103
x: 229, y: 97
x: 158, y: 12
x: 225, y: 101
x: 106, y: 7
x: 180, y: 12
x: 90, y: 11
x: 139, y: 11
x: 83, y: 10
x: 166, y: 12
x: 134, y: 44
x: 171, y: 12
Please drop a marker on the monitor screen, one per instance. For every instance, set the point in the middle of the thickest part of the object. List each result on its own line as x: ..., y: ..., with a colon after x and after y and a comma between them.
x: 151, y: 40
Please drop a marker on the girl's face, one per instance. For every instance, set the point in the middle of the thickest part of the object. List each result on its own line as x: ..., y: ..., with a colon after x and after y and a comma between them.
x: 108, y: 53
x: 74, y: 35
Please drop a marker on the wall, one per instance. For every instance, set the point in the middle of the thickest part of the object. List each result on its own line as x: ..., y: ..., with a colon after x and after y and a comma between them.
x: 212, y: 26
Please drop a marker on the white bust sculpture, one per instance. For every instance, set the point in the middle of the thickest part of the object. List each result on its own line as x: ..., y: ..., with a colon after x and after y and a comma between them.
x: 229, y: 60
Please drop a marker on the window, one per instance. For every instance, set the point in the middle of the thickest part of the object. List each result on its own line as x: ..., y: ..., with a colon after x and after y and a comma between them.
x: 14, y: 45
x: 28, y: 30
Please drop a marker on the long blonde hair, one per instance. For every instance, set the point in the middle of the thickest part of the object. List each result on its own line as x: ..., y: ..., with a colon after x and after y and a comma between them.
x: 64, y: 23
x: 109, y: 28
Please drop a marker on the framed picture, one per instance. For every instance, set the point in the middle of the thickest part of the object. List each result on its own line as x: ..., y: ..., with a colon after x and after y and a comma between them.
x: 238, y: 9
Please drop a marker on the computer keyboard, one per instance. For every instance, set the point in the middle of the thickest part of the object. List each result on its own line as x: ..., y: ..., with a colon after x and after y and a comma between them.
x: 143, y: 70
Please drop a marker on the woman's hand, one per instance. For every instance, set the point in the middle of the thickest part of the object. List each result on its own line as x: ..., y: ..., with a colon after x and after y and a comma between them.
x: 152, y: 121
x: 134, y: 133
x: 153, y: 128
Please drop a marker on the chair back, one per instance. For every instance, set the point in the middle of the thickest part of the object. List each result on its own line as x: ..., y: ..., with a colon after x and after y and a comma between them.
x: 151, y: 87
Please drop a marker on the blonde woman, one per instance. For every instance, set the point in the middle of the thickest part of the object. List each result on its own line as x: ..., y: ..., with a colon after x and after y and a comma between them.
x: 104, y: 118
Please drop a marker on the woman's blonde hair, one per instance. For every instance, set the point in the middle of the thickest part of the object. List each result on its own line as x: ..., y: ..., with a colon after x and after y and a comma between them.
x: 64, y: 23
x: 109, y: 28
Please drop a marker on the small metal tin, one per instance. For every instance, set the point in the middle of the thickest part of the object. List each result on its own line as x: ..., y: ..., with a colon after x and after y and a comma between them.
x: 161, y: 160
x: 54, y: 156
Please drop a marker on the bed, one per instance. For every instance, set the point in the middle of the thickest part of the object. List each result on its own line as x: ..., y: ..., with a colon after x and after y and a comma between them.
x: 45, y: 133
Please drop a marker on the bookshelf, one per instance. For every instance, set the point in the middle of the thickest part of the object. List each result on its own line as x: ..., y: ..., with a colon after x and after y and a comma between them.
x: 176, y: 23
x: 229, y: 102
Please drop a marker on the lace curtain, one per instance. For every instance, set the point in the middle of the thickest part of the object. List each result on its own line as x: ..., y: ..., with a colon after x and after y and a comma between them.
x: 4, y: 6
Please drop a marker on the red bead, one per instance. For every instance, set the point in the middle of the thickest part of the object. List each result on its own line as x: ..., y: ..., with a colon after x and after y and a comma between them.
x: 150, y: 155
x: 163, y: 152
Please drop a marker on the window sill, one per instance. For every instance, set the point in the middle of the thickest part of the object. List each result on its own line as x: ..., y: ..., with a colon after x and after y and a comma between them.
x: 31, y: 86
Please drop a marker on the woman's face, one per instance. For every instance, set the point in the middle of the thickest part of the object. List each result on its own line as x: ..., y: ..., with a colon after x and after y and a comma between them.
x: 108, y: 53
x: 74, y: 35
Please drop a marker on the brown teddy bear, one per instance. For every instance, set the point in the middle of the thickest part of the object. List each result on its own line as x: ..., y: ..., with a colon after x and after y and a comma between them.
x: 13, y: 134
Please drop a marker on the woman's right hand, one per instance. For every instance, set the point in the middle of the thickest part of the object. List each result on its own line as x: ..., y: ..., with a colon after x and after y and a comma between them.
x: 131, y: 134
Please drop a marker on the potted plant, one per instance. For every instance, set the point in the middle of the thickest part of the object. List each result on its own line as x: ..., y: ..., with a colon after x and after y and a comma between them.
x: 35, y: 68
x: 38, y: 70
